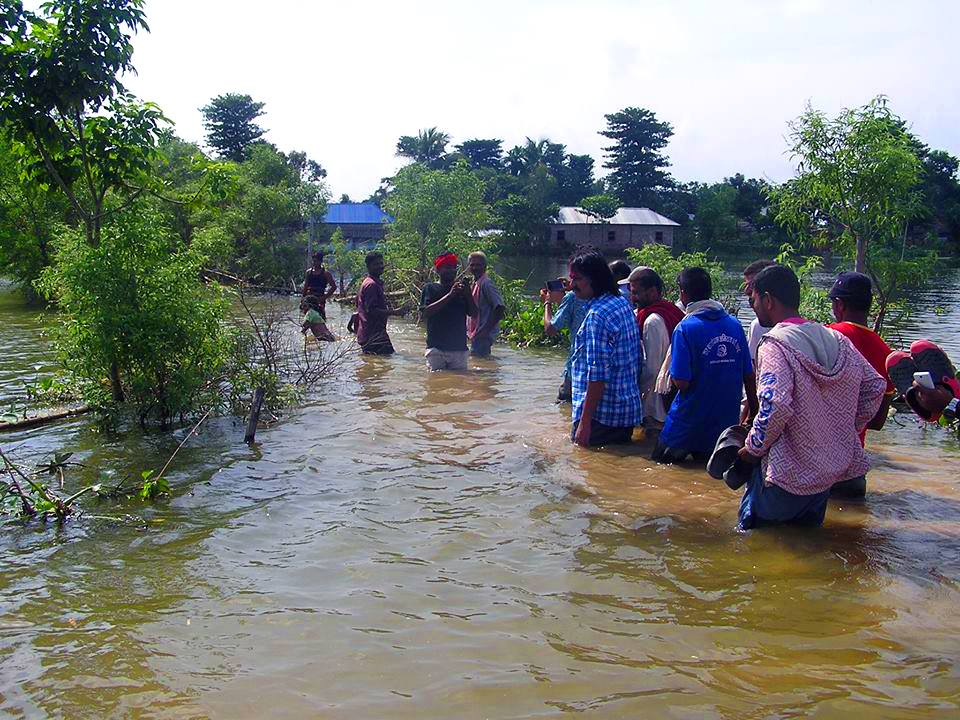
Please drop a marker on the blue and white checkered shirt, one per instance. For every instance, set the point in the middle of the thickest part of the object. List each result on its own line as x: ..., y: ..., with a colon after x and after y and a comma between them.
x: 607, y: 348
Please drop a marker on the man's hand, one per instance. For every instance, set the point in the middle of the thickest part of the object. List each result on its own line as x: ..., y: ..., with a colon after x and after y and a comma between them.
x: 582, y: 436
x: 933, y: 401
x: 747, y: 457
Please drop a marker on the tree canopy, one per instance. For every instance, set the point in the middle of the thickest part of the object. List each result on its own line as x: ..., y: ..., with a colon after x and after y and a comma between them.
x: 229, y: 122
x: 636, y: 156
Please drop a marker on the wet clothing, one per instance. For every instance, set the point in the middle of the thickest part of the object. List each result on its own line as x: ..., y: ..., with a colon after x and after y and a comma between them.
x: 607, y: 348
x: 816, y: 394
x: 601, y: 434
x: 446, y: 360
x: 447, y: 329
x: 763, y: 505
x: 316, y: 283
x: 488, y: 299
x: 709, y: 350
x: 312, y: 317
x: 372, y: 318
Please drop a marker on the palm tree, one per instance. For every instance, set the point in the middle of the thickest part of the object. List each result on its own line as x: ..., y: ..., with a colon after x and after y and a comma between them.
x: 429, y: 147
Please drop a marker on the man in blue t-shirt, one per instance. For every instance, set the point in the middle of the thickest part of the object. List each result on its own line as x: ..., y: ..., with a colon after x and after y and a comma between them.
x: 710, y: 366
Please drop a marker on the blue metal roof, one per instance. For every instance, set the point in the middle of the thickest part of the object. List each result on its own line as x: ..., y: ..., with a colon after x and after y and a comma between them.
x: 355, y: 214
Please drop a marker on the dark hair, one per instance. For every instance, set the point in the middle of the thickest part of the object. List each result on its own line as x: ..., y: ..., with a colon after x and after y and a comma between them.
x: 312, y: 301
x: 371, y: 256
x: 780, y: 282
x: 318, y: 255
x: 594, y: 267
x: 695, y: 282
x: 756, y: 266
x: 648, y: 278
x: 620, y: 270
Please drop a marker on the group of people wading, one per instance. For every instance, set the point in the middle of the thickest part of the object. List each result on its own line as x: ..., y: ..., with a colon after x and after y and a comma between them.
x: 782, y: 409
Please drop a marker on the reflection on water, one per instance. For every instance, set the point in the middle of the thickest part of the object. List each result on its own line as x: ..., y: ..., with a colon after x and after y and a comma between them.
x: 431, y: 545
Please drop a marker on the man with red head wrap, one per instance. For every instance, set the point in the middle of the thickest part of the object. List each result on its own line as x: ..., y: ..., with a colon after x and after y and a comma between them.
x: 446, y: 305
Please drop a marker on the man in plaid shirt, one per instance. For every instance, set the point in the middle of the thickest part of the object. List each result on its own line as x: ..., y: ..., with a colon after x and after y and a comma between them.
x: 606, y: 358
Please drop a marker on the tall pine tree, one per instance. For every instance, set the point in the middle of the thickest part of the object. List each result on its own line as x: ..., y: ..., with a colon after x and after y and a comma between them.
x: 636, y: 157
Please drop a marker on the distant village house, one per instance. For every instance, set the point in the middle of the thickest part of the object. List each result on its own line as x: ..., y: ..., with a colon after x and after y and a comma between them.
x: 363, y: 224
x: 630, y: 227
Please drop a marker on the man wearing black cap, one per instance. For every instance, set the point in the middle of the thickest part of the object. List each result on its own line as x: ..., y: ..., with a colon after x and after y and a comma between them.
x: 852, y: 295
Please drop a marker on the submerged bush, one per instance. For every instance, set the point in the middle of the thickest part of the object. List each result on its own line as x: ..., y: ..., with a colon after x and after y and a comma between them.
x: 134, y: 310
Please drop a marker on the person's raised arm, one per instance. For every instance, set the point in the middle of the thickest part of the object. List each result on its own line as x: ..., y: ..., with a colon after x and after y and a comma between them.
x: 436, y: 306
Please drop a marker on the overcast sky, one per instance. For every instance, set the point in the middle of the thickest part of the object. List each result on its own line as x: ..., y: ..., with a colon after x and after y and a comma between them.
x: 343, y: 80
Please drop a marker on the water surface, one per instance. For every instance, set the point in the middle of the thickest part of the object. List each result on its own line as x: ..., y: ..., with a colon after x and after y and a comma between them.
x: 430, y: 545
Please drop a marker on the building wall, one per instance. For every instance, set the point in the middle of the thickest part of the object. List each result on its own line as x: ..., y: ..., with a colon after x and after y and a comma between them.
x: 359, y: 235
x: 567, y: 237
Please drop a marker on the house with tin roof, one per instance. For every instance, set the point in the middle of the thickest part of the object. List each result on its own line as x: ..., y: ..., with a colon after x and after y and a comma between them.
x: 363, y: 224
x: 630, y: 227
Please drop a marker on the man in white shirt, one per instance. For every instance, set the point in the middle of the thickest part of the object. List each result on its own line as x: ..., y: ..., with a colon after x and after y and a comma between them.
x: 656, y: 319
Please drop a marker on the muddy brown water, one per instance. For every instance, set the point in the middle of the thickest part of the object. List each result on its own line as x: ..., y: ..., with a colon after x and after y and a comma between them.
x: 416, y: 545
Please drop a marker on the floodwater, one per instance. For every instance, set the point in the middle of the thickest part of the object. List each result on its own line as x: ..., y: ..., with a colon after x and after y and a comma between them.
x: 416, y: 545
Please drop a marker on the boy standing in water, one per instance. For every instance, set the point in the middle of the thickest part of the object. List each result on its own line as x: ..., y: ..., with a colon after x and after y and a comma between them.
x: 313, y: 320
x: 319, y: 283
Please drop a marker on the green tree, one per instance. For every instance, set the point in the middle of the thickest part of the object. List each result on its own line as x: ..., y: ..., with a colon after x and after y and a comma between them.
x: 435, y: 211
x: 229, y: 122
x: 575, y: 180
x: 70, y: 121
x: 856, y: 188
x: 29, y: 213
x: 716, y: 221
x: 344, y: 261
x: 482, y: 153
x: 660, y: 258
x: 635, y: 158
x: 940, y: 190
x: 602, y: 207
x: 428, y: 147
x: 524, y: 216
x: 134, y: 303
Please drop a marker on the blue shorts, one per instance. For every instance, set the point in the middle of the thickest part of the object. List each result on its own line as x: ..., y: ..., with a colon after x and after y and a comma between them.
x: 772, y: 505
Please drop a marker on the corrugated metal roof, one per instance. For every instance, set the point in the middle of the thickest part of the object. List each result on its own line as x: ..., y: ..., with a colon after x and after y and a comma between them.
x: 355, y: 214
x: 624, y: 216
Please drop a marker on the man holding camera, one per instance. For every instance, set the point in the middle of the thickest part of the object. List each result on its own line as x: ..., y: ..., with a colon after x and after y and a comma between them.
x: 446, y: 306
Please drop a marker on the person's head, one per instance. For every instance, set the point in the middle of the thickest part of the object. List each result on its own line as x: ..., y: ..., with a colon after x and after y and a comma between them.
x: 318, y: 259
x: 374, y: 261
x: 852, y: 295
x: 590, y: 276
x: 477, y: 263
x: 694, y: 285
x: 446, y: 265
x: 646, y: 286
x: 750, y: 272
x: 776, y: 295
x: 310, y: 302
x: 620, y: 270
